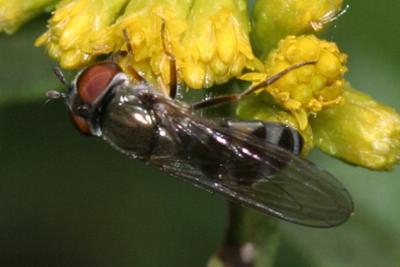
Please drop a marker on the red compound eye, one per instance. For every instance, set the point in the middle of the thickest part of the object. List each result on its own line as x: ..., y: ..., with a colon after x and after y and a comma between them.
x: 95, y: 79
x: 80, y: 123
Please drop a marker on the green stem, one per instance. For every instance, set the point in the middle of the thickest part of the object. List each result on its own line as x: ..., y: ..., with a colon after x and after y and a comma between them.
x: 251, y: 240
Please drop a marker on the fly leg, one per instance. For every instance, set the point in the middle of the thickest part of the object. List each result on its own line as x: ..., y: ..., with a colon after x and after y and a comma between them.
x: 236, y: 97
x: 172, y: 64
x: 134, y: 74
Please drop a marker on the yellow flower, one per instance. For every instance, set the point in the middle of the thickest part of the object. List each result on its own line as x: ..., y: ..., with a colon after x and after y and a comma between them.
x: 143, y: 20
x: 216, y: 45
x: 309, y: 89
x: 209, y: 39
x: 76, y: 30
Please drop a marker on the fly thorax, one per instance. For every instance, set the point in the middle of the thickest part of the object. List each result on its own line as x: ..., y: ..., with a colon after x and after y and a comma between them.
x: 129, y: 125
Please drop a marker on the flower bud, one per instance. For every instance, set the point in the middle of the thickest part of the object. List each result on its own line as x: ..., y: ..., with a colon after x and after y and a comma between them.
x: 360, y: 131
x: 276, y: 19
x: 16, y: 12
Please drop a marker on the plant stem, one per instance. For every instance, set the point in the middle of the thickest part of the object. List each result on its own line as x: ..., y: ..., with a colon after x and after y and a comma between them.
x: 251, y: 240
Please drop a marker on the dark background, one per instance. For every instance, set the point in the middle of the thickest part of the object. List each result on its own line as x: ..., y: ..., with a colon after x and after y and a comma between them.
x: 68, y: 200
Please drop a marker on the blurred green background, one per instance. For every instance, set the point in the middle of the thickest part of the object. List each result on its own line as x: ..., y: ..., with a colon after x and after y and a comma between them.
x: 68, y: 200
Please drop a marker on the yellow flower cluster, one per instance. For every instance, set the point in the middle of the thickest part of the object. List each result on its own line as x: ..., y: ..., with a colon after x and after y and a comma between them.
x: 216, y: 46
x: 313, y: 86
x: 209, y: 39
x: 310, y: 88
x: 77, y: 30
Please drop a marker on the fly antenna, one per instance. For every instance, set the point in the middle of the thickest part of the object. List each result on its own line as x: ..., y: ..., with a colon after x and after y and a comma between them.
x: 60, y: 75
x: 54, y: 94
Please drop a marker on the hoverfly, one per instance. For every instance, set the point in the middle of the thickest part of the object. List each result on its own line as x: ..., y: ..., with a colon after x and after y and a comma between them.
x: 254, y: 163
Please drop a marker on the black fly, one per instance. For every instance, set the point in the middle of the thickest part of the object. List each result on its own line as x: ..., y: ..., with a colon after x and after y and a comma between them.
x: 254, y: 163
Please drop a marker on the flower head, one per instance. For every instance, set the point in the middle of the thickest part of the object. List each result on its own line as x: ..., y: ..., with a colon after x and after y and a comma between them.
x: 310, y: 88
x: 216, y: 45
x: 209, y: 39
x: 76, y: 30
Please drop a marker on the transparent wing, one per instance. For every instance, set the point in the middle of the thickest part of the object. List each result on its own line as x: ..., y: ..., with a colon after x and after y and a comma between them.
x: 255, y: 173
